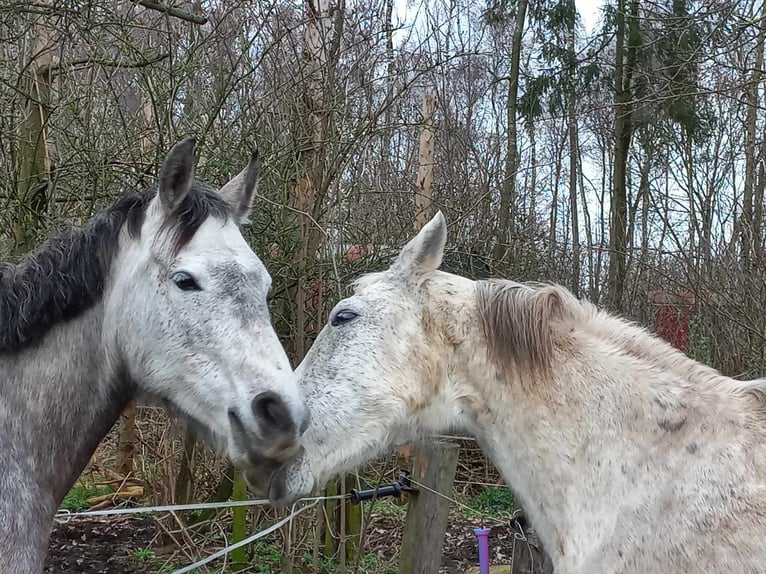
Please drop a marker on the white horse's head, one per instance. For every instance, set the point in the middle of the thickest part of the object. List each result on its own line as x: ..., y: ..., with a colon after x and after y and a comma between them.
x: 374, y: 377
x: 186, y: 315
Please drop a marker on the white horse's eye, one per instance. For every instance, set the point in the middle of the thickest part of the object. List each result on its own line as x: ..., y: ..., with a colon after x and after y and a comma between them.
x: 342, y: 317
x: 185, y: 282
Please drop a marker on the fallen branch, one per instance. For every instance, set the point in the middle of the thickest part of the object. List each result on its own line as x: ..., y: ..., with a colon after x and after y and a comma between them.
x: 129, y: 493
x: 117, y: 481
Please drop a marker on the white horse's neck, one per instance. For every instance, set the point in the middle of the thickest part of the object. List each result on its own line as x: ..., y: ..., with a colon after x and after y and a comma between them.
x: 59, y: 398
x: 576, y: 446
x: 508, y: 430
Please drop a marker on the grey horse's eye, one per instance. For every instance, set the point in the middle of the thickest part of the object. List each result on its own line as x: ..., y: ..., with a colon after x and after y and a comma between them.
x: 185, y: 282
x: 342, y: 317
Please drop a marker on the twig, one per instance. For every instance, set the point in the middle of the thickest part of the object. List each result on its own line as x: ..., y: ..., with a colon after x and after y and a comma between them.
x: 177, y: 542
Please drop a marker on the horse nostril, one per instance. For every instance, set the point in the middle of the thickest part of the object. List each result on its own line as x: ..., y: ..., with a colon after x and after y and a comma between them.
x: 272, y: 412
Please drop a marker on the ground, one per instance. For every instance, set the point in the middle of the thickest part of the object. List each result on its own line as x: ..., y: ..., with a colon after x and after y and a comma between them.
x: 102, y: 546
x: 127, y: 545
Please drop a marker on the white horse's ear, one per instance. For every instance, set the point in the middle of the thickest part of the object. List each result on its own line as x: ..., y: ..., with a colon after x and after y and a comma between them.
x: 239, y: 192
x: 177, y: 174
x: 425, y: 251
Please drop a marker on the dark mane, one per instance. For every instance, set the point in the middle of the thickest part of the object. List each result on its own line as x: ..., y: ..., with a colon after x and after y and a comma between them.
x: 66, y: 275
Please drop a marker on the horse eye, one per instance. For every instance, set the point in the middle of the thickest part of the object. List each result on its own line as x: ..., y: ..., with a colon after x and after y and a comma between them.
x: 342, y: 317
x: 185, y: 282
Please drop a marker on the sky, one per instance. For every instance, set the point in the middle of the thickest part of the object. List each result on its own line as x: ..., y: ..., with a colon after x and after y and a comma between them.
x: 590, y: 12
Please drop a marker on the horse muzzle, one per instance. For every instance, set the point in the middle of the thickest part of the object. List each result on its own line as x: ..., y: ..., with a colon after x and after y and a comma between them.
x: 271, y: 436
x: 283, y: 484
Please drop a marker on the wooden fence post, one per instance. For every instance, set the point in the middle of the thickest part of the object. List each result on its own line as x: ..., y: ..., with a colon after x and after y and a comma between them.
x: 428, y: 513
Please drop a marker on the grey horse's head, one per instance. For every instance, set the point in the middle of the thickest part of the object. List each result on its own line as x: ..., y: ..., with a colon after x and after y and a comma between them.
x: 186, y: 315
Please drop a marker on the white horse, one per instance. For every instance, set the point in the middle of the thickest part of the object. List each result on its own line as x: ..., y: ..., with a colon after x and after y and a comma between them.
x: 627, y: 455
x: 158, y: 294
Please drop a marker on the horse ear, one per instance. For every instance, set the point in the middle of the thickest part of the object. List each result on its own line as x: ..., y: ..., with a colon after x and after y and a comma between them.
x: 239, y: 192
x: 425, y: 251
x: 177, y: 174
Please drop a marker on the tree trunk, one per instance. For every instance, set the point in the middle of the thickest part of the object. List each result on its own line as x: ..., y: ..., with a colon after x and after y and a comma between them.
x: 760, y: 184
x: 385, y: 163
x: 34, y: 138
x: 506, y: 223
x: 424, y: 185
x: 574, y: 154
x: 552, y: 237
x: 589, y: 245
x: 694, y: 224
x: 136, y: 103
x: 423, y: 204
x: 532, y: 218
x: 639, y: 203
x: 751, y: 118
x: 709, y: 211
x: 607, y: 168
x: 126, y: 443
x: 643, y: 190
x: 665, y: 198
x: 239, y: 523
x: 320, y: 55
x: 622, y: 135
x: 184, y: 486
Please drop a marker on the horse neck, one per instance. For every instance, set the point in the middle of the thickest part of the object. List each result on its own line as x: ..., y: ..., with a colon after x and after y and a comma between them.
x: 594, y: 435
x: 59, y: 397
x: 536, y: 444
x: 540, y: 433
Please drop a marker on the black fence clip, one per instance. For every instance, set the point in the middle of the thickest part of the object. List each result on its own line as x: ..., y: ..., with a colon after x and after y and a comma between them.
x: 396, y: 488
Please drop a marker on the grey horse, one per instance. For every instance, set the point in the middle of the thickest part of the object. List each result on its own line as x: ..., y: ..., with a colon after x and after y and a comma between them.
x: 158, y: 294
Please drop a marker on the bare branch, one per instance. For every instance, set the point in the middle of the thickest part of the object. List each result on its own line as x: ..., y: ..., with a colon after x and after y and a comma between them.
x: 84, y: 62
x: 171, y: 11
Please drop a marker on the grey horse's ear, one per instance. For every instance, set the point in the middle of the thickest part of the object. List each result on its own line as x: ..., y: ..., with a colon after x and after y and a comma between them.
x: 239, y: 192
x: 425, y: 251
x: 177, y: 174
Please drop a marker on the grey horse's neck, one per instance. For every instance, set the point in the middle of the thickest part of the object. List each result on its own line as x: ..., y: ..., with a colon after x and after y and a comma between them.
x: 58, y: 398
